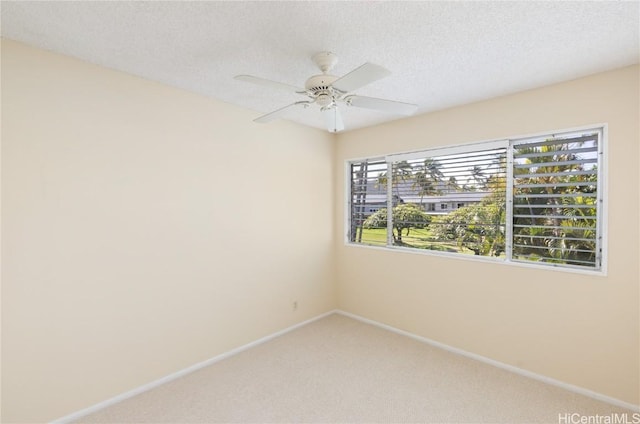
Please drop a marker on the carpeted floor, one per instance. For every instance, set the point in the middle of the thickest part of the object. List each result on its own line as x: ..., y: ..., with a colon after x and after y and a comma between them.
x: 338, y: 369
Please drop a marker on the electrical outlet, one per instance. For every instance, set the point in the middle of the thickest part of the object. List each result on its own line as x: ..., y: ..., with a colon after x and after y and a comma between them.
x: 295, y: 305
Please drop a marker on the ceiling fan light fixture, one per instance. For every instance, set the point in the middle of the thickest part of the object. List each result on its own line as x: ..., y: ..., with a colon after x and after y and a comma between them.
x: 324, y: 100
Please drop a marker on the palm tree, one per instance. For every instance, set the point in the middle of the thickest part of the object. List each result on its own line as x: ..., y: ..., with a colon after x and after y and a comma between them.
x: 358, y: 205
x: 554, y: 205
x: 400, y: 172
x: 452, y: 185
x: 428, y: 178
x: 479, y: 177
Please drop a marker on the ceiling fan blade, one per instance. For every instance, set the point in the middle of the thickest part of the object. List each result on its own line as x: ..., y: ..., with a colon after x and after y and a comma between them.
x: 333, y: 119
x: 391, y: 106
x: 359, y: 77
x: 278, y: 113
x: 268, y: 83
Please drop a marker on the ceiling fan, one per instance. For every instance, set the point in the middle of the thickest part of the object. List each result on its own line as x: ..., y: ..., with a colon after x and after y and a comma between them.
x: 328, y: 91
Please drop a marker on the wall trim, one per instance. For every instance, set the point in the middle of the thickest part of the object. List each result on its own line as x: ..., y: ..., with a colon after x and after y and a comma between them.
x: 173, y: 376
x: 525, y: 373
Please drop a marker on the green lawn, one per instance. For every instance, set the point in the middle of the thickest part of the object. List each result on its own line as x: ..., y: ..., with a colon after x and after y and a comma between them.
x: 417, y: 238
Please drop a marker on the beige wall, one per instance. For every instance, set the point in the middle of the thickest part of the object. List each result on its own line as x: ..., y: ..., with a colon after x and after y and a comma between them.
x: 580, y: 329
x: 146, y: 229
x: 129, y: 250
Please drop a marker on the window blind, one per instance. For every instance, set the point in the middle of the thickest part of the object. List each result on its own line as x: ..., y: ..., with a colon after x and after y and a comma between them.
x: 556, y: 201
x: 453, y: 202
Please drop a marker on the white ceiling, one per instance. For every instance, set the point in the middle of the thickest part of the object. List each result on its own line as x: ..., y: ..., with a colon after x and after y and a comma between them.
x: 441, y: 54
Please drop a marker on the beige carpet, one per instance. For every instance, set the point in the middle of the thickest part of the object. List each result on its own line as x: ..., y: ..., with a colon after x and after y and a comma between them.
x: 341, y: 370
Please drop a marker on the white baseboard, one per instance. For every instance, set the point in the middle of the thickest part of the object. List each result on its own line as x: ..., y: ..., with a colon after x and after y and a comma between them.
x: 498, y: 364
x: 146, y: 387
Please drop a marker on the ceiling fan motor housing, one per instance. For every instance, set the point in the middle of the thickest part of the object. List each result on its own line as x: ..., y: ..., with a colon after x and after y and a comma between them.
x: 319, y: 83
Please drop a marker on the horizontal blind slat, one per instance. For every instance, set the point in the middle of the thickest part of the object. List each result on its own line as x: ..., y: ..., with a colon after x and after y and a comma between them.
x: 557, y: 141
x: 554, y: 164
x: 553, y: 196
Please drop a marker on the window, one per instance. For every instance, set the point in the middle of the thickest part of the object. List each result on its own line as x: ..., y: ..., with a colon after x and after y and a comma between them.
x: 535, y: 200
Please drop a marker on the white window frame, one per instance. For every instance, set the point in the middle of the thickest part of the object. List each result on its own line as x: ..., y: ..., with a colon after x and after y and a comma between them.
x: 602, y: 204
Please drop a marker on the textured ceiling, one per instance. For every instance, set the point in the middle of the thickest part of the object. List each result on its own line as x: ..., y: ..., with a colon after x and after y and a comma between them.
x: 441, y: 54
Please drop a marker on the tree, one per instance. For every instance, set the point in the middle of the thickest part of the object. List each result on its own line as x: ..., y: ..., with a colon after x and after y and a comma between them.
x: 359, y: 187
x: 401, y: 171
x: 555, y: 205
x: 427, y: 178
x: 405, y: 217
x: 452, y: 185
x: 477, y: 173
x: 479, y: 228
